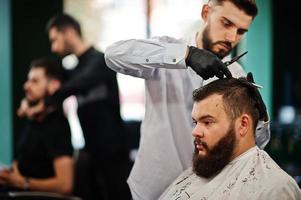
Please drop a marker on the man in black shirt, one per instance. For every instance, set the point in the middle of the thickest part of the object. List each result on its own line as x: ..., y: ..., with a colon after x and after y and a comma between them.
x: 44, y: 154
x: 96, y: 89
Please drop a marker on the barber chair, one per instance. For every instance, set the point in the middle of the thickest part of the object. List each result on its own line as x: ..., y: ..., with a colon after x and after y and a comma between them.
x: 285, y: 147
x: 35, y: 196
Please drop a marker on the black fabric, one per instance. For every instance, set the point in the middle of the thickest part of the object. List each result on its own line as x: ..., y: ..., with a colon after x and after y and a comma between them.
x: 41, y: 143
x: 96, y: 89
x: 99, y: 114
x: 94, y: 181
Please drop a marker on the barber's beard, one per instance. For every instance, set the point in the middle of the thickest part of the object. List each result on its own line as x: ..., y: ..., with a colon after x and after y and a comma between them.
x: 208, y: 44
x: 67, y: 50
x: 217, y: 157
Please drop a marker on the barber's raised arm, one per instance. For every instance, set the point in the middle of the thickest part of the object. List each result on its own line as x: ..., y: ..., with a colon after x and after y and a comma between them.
x: 141, y: 58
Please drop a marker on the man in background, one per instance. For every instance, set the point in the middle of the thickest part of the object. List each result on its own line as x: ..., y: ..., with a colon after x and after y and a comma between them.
x: 44, y: 154
x: 96, y: 89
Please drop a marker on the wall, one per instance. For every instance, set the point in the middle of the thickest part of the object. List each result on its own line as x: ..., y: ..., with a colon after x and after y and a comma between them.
x: 259, y: 45
x: 5, y: 86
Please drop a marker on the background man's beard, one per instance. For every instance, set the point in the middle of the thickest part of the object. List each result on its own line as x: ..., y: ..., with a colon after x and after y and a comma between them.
x: 68, y: 49
x: 208, y: 44
x: 217, y: 157
x: 36, y: 101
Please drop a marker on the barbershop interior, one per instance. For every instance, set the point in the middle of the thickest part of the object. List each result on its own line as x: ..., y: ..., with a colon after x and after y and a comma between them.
x: 93, y: 154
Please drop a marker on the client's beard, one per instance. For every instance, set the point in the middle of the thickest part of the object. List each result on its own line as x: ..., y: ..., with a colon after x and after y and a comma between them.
x: 217, y: 157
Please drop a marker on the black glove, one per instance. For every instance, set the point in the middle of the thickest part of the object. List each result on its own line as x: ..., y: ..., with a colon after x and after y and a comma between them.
x: 206, y: 64
x: 263, y: 115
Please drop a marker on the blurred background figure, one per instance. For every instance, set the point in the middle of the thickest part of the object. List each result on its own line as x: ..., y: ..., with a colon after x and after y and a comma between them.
x: 44, y: 155
x: 103, y: 165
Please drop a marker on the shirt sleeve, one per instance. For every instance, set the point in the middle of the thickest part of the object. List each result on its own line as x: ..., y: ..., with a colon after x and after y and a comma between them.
x: 94, y: 72
x: 59, y: 138
x: 141, y: 58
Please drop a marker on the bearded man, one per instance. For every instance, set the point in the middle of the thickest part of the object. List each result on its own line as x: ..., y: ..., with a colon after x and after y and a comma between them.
x: 172, y: 69
x: 44, y: 156
x: 227, y: 164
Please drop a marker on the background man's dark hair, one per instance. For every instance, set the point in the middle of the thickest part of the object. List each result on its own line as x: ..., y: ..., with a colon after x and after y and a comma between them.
x: 248, y: 6
x: 53, y: 69
x: 62, y: 21
x: 239, y: 96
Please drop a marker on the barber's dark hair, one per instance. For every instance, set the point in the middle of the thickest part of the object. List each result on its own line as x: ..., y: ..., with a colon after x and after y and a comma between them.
x: 248, y: 6
x: 239, y: 96
x: 53, y: 68
x: 62, y: 21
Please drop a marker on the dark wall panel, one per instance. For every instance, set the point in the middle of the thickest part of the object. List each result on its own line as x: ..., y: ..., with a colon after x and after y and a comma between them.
x: 29, y: 41
x: 287, y: 67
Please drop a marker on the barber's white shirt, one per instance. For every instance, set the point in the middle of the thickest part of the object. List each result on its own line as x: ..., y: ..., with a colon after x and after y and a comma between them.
x: 166, y: 144
x: 251, y: 176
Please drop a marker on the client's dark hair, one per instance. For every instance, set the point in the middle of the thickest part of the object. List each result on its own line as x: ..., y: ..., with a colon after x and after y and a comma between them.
x: 239, y: 96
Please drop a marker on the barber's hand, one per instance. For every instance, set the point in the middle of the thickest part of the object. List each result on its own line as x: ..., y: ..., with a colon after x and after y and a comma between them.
x: 206, y: 64
x: 21, y: 112
x: 35, y: 110
x: 30, y: 112
x: 261, y: 106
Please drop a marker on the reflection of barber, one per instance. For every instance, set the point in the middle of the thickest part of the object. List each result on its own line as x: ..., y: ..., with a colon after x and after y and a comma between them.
x: 44, y: 154
x: 96, y: 89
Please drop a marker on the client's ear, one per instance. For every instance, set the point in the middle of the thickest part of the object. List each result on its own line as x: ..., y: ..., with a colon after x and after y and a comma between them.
x: 244, y: 125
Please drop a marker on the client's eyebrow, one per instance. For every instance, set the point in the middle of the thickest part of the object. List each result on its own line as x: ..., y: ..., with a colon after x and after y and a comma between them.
x: 202, y: 118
